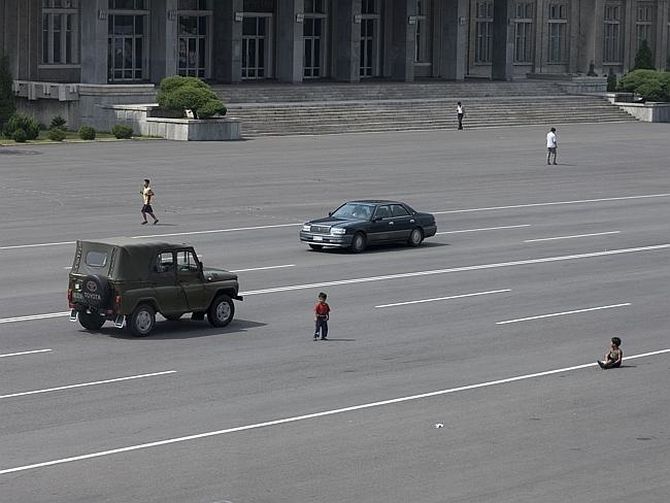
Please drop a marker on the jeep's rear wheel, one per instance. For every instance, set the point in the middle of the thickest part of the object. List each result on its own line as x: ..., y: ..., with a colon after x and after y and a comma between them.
x: 90, y: 321
x: 221, y: 311
x: 141, y: 322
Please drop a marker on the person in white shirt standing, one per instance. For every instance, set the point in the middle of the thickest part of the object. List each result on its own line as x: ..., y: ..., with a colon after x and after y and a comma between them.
x: 460, y: 113
x: 552, y: 145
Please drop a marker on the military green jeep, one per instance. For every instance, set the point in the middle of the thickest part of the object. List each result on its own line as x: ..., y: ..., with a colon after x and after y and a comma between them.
x: 128, y: 281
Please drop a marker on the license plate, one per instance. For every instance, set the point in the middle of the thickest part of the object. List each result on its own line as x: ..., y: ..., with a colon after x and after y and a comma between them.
x: 318, y: 238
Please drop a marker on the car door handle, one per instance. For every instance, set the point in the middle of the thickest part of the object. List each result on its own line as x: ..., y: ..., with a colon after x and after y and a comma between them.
x: 390, y: 223
x: 412, y: 221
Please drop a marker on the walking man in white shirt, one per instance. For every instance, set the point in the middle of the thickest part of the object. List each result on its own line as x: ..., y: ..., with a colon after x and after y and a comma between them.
x: 552, y: 145
x: 460, y: 113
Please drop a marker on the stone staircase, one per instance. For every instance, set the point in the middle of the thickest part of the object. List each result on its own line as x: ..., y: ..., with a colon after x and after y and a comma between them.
x: 328, y: 108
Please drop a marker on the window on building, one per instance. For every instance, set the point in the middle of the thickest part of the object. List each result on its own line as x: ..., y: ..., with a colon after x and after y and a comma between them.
x: 612, y: 33
x: 523, y: 32
x: 60, y: 32
x: 483, y: 30
x: 314, y: 39
x: 128, y: 47
x: 424, y: 33
x: 193, y: 38
x: 558, y: 31
x: 644, y: 24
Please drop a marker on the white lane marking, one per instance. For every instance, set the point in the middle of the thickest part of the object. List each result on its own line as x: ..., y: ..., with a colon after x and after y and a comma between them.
x: 37, y: 245
x: 484, y: 229
x: 553, y: 203
x: 21, y: 353
x: 564, y: 313
x: 218, y: 231
x: 539, y: 240
x: 33, y: 317
x: 462, y: 296
x: 263, y: 268
x: 369, y: 279
x: 87, y: 384
x: 314, y: 415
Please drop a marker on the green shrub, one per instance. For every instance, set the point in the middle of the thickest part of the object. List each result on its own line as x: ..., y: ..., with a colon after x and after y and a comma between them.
x: 19, y: 136
x: 182, y: 93
x: 7, y: 105
x: 644, y: 59
x: 87, y: 133
x: 57, y: 134
x: 57, y: 122
x: 650, y: 84
x: 121, y: 131
x: 19, y: 121
x: 611, y: 83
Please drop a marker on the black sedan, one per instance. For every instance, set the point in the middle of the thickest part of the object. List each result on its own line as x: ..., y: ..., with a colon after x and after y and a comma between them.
x: 357, y: 224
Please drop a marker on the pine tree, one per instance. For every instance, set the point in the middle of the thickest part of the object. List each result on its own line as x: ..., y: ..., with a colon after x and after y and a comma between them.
x: 7, y: 106
x: 644, y: 59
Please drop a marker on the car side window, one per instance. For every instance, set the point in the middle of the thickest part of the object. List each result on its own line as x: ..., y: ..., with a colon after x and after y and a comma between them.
x: 383, y: 212
x: 186, y: 261
x: 399, y: 210
x: 164, y: 263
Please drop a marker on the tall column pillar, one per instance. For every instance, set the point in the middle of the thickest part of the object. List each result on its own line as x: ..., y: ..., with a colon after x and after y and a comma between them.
x: 227, y: 41
x: 290, y: 44
x: 163, y: 39
x: 591, y: 19
x: 629, y: 36
x: 661, y: 52
x: 503, y: 40
x: 403, y: 39
x: 346, y: 40
x: 452, y: 37
x: 94, y: 30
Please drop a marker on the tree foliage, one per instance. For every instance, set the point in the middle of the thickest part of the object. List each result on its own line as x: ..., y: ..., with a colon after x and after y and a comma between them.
x: 7, y: 105
x: 644, y: 59
x: 179, y: 93
x: 650, y: 84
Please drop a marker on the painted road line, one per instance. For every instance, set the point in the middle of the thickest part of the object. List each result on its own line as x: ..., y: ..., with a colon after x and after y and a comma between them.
x: 267, y: 268
x: 371, y: 279
x: 37, y: 245
x: 22, y: 353
x: 218, y: 231
x: 315, y: 415
x: 87, y: 384
x: 462, y: 296
x: 572, y: 237
x: 564, y: 313
x: 484, y: 229
x: 553, y: 203
x: 33, y: 317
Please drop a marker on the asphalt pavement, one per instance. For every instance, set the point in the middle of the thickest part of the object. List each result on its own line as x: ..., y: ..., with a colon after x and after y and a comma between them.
x: 460, y: 371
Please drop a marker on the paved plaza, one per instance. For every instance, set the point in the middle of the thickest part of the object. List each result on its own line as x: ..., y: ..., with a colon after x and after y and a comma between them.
x: 461, y: 371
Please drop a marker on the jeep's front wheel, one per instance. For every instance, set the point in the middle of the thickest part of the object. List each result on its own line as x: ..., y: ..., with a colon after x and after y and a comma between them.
x: 221, y: 311
x: 142, y: 320
x: 90, y: 321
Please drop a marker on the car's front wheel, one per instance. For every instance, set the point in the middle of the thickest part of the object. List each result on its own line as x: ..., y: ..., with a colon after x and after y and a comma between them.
x: 415, y: 237
x: 221, y: 311
x: 142, y: 320
x: 358, y: 243
x: 90, y: 321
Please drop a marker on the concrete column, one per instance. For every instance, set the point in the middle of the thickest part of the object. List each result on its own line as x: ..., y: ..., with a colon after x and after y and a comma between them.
x: 629, y: 35
x: 503, y: 40
x: 403, y: 39
x: 661, y: 52
x: 573, y: 36
x: 290, y: 45
x: 163, y: 44
x: 346, y: 40
x: 590, y: 42
x: 227, y: 41
x: 452, y: 39
x: 93, y: 23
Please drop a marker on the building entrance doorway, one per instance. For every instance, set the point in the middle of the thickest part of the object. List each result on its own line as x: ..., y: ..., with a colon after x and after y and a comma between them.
x: 314, y: 38
x: 370, y: 38
x: 257, y: 46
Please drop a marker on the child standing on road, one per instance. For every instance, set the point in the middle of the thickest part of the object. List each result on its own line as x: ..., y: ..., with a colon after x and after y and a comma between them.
x: 321, y: 316
x: 614, y: 356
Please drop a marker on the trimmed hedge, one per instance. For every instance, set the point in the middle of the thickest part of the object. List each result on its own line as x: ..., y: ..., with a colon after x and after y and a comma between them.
x: 122, y: 132
x: 87, y: 133
x: 57, y: 134
x: 19, y: 136
x: 652, y: 85
x: 179, y: 93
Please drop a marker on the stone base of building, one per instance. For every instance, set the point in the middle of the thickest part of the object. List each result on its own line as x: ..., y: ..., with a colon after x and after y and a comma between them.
x: 645, y: 112
x: 574, y: 84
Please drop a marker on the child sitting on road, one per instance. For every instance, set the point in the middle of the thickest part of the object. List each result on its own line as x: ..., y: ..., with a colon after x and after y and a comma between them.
x: 614, y: 356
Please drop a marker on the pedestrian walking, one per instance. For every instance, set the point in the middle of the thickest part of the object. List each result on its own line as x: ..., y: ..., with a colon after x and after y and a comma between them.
x: 147, y: 197
x: 552, y: 145
x: 613, y: 356
x: 460, y: 112
x: 321, y: 317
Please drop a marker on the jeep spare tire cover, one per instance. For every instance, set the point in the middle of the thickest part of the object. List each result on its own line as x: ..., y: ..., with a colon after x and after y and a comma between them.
x: 95, y: 290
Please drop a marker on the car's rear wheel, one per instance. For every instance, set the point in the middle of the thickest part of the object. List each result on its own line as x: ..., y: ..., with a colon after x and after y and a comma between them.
x: 90, y: 321
x: 358, y: 243
x: 142, y: 320
x: 415, y: 237
x: 221, y: 311
x: 316, y: 247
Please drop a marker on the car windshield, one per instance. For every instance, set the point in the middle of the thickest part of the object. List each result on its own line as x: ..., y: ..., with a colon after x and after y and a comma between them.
x: 354, y: 211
